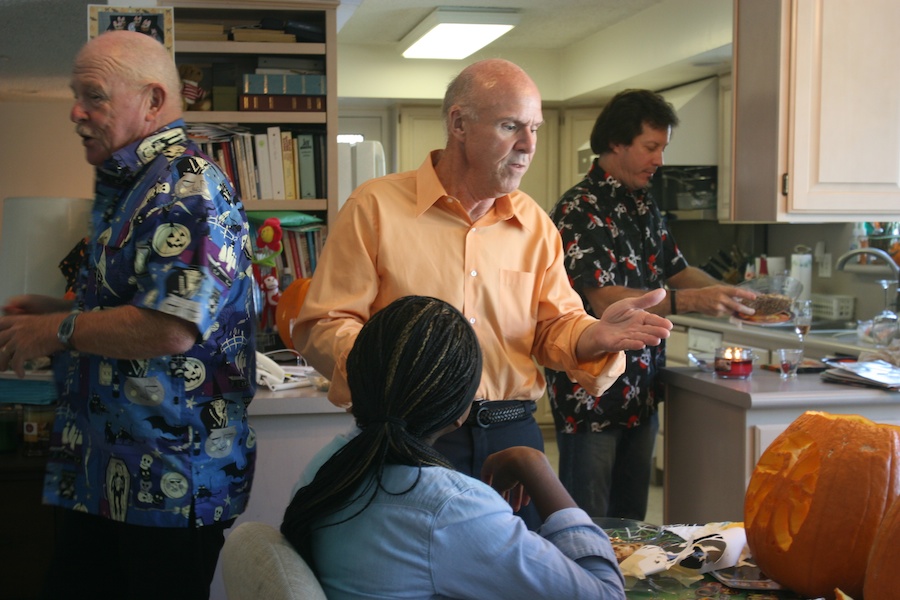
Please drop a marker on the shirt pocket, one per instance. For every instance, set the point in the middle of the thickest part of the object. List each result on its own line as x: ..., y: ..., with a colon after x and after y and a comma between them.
x: 516, y: 308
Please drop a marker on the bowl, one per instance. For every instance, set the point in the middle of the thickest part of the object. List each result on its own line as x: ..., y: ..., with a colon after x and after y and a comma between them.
x: 784, y: 285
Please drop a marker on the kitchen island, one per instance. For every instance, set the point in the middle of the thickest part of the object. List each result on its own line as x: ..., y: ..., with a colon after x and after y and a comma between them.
x: 716, y: 429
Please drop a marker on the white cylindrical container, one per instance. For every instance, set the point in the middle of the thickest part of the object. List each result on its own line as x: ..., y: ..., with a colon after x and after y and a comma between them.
x: 801, y: 270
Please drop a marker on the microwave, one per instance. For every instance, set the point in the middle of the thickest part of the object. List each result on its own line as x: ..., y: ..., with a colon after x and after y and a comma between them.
x: 677, y: 187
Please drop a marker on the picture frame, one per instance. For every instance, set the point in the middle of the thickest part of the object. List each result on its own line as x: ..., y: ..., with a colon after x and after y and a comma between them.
x: 157, y: 22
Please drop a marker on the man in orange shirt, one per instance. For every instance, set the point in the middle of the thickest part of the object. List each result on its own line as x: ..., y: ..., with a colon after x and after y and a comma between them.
x: 459, y: 229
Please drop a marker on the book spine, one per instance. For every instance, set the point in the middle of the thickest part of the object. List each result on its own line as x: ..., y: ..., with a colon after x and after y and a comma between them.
x: 311, y: 247
x: 275, y: 102
x: 287, y: 166
x: 275, y: 162
x: 307, y: 162
x: 252, y: 186
x: 263, y: 170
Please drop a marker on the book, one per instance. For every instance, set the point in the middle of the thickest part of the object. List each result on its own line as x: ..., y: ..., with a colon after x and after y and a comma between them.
x: 286, y: 103
x: 287, y: 164
x: 291, y: 64
x: 307, y: 161
x: 286, y: 84
x: 261, y: 35
x: 199, y: 36
x: 263, y: 169
x: 199, y: 26
x: 275, y: 164
x: 249, y: 190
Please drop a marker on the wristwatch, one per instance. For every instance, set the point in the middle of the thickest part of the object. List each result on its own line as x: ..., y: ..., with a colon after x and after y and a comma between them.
x: 66, y: 329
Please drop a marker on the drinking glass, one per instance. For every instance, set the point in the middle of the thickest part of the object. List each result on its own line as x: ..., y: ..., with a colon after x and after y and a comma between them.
x: 884, y: 325
x: 789, y: 360
x: 802, y: 317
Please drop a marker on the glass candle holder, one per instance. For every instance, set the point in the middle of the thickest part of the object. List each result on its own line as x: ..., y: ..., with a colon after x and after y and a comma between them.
x: 734, y: 363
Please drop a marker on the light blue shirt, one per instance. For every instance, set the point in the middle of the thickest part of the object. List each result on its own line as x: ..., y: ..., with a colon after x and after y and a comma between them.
x: 452, y: 536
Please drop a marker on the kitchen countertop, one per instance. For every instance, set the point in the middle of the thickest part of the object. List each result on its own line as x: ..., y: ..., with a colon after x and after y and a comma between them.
x: 815, y: 344
x: 765, y: 389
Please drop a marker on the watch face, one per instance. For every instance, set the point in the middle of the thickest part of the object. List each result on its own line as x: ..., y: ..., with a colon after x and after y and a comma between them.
x: 66, y: 329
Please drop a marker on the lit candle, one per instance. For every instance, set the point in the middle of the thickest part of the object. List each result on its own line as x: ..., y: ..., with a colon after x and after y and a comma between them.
x: 734, y: 363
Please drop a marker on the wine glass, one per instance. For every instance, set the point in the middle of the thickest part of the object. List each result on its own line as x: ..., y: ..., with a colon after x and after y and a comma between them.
x: 884, y: 325
x: 802, y: 317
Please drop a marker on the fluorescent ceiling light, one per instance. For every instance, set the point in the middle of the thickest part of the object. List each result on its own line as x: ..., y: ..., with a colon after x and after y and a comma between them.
x: 455, y: 33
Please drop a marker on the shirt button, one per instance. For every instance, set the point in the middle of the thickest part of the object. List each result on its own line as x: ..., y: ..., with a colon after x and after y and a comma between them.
x: 474, y: 273
x: 472, y: 320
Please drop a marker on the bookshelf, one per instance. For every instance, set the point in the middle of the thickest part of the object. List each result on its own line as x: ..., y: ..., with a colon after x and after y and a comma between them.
x: 244, y: 55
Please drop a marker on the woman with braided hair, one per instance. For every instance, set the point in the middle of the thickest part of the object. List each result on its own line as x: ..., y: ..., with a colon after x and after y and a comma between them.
x: 387, y: 516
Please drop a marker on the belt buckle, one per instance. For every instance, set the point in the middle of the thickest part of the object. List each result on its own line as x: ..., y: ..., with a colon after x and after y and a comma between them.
x: 482, y: 411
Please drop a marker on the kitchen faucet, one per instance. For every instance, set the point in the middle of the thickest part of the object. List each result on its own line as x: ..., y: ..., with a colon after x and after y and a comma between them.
x: 895, y: 269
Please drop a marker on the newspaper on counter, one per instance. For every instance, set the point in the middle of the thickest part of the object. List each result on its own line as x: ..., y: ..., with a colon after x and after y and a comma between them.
x: 869, y: 373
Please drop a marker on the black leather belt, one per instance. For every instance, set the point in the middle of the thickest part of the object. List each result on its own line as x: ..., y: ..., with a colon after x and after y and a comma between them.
x: 485, y: 413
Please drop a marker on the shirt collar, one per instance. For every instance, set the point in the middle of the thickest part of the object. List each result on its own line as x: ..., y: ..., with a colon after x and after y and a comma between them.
x: 130, y: 159
x: 429, y: 190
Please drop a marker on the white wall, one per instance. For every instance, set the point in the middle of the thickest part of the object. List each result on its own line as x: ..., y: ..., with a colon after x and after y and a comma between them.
x: 40, y: 154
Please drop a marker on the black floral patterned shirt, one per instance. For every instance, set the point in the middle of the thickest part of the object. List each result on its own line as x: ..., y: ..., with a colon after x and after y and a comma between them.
x: 612, y: 236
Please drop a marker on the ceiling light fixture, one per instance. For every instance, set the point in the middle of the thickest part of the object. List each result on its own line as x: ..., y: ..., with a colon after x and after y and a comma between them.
x: 455, y: 33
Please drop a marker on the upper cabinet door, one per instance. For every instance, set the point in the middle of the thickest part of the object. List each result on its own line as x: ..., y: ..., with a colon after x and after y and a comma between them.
x: 845, y: 107
x: 816, y: 111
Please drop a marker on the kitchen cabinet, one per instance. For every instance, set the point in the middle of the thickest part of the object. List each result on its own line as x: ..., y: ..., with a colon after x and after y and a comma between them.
x: 315, y: 13
x: 816, y: 111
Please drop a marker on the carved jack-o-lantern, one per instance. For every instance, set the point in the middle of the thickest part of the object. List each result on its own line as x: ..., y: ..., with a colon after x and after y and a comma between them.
x: 816, y: 499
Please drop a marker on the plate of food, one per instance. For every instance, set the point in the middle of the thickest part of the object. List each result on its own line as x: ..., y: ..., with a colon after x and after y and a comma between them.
x: 775, y: 294
x: 778, y: 318
x: 627, y: 535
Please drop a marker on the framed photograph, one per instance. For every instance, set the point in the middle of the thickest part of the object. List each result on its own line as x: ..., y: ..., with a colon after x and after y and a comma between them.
x: 155, y: 22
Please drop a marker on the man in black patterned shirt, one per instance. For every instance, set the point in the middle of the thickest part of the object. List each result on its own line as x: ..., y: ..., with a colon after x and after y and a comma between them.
x: 618, y: 245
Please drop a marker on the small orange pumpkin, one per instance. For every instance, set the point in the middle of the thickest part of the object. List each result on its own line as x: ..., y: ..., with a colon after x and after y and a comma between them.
x: 289, y: 307
x: 816, y: 499
x: 884, y: 561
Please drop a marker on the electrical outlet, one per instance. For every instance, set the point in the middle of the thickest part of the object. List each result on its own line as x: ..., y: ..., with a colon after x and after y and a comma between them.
x: 825, y: 266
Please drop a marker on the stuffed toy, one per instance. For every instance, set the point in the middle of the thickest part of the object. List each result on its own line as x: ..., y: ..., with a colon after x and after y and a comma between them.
x: 193, y: 97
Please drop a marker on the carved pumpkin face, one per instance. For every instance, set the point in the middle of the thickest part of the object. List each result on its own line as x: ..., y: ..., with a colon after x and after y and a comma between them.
x: 816, y: 498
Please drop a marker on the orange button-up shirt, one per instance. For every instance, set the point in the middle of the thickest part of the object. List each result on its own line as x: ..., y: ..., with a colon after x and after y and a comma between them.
x: 402, y: 235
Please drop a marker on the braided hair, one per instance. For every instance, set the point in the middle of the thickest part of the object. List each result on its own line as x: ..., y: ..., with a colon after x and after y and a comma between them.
x: 413, y: 370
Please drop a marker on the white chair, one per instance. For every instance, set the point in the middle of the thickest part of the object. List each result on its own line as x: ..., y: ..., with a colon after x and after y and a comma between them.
x: 259, y: 563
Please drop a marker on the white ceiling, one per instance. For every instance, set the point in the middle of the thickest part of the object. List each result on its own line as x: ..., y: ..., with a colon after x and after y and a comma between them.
x: 39, y: 38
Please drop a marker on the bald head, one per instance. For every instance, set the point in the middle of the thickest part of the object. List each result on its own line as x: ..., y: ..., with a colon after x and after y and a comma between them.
x: 134, y: 57
x: 126, y: 87
x: 484, y: 81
